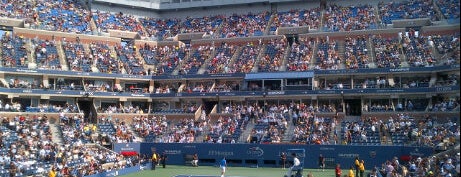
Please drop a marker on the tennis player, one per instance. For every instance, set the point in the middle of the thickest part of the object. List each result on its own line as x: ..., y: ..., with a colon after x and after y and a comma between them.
x: 223, y: 165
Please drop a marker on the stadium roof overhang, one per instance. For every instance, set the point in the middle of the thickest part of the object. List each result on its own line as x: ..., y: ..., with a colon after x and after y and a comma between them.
x: 179, y: 4
x: 283, y: 75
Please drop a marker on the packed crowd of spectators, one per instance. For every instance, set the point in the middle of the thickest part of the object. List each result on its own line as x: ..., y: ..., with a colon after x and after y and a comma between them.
x: 247, y: 59
x: 65, y: 16
x: 123, y: 133
x: 296, y: 17
x: 14, y: 51
x: 408, y: 105
x: 417, y: 50
x: 160, y: 129
x: 129, y: 109
x: 32, y: 151
x: 75, y: 17
x: 228, y: 86
x: 450, y: 9
x: 160, y: 29
x: 310, y: 128
x: 26, y: 83
x: 271, y: 124
x: 448, y: 80
x: 163, y: 108
x: 447, y: 45
x: 183, y: 131
x: 361, y: 132
x: 164, y: 88
x: 23, y: 131
x: 221, y: 61
x: 327, y: 56
x: 149, y: 53
x: 206, y: 24
x: 444, y: 43
x: 389, y: 11
x: 338, y: 84
x: 23, y: 10
x: 245, y: 25
x: 388, y: 82
x: 132, y: 64
x: 150, y: 128
x: 444, y: 105
x: 164, y: 58
x: 116, y: 21
x: 226, y: 129
x: 77, y: 58
x: 104, y: 59
x: 12, y: 106
x: 338, y: 18
x: 387, y: 52
x: 87, y: 159
x: 273, y: 56
x: 46, y: 54
x: 192, y: 64
x: 445, y: 164
x: 401, y: 129
x: 78, y: 159
x: 301, y: 54
x: 379, y: 107
x: 198, y: 87
x: 45, y: 107
x: 169, y: 57
x: 356, y: 52
x: 98, y: 86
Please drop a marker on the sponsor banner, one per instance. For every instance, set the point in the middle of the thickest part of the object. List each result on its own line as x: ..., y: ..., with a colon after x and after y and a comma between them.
x: 343, y: 154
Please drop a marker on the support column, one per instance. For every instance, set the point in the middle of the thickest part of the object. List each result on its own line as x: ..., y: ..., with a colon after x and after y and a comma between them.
x: 45, y: 81
x: 151, y: 86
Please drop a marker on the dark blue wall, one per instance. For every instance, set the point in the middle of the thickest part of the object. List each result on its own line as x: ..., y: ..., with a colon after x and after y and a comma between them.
x: 267, y: 155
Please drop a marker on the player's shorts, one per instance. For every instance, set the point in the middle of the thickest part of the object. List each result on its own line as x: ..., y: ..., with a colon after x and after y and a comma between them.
x: 223, y: 169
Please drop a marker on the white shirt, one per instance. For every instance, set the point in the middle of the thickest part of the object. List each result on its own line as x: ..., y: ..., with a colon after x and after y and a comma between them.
x: 296, y: 162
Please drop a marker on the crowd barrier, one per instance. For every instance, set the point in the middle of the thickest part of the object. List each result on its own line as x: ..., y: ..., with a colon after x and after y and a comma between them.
x: 123, y: 171
x: 268, y: 155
